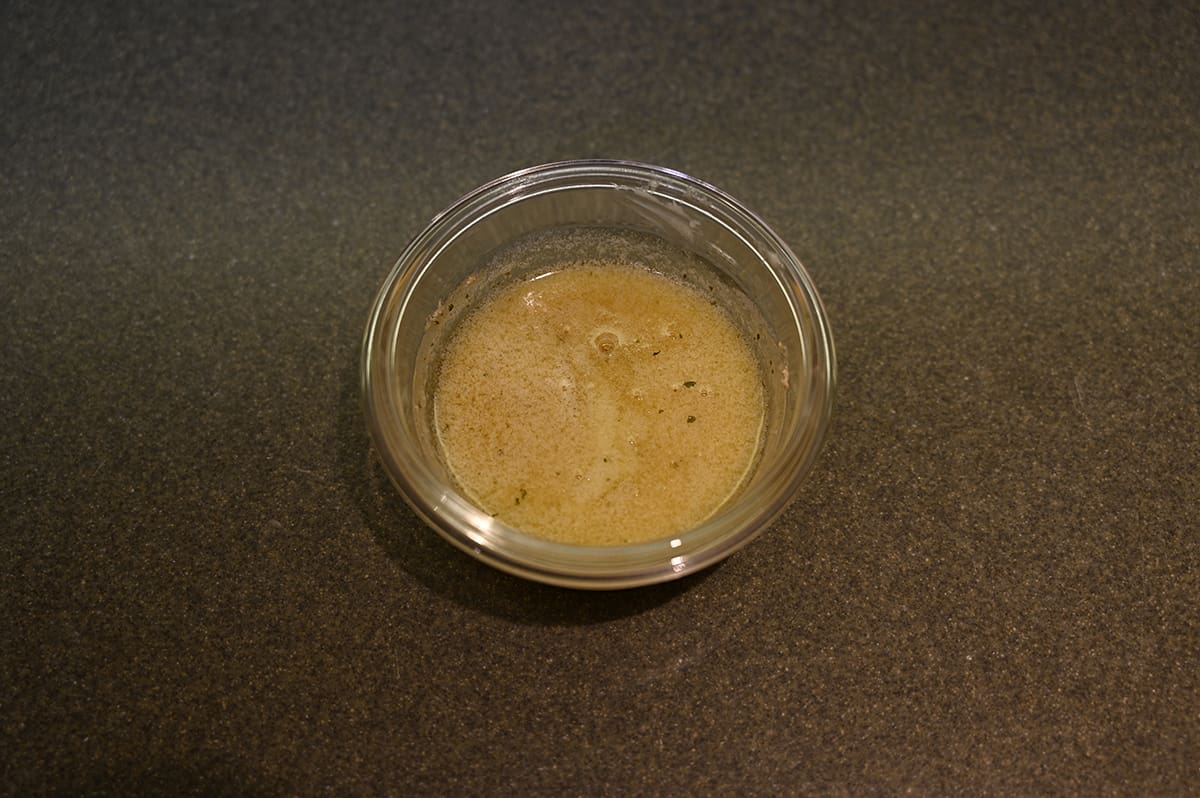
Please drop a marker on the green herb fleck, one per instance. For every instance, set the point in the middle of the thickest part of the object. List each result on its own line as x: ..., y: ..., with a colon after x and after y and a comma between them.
x: 690, y: 384
x: 691, y: 419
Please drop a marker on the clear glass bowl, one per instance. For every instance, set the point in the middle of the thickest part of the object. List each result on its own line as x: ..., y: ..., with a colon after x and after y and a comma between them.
x: 791, y: 331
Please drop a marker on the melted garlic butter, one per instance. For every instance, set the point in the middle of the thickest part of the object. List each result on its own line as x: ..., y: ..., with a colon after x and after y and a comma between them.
x: 599, y: 404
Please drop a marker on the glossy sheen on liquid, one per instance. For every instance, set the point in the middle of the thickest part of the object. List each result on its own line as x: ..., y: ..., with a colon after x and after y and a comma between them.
x: 599, y: 404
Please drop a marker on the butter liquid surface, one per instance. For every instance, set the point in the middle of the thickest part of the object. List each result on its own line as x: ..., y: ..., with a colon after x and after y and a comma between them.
x: 599, y: 404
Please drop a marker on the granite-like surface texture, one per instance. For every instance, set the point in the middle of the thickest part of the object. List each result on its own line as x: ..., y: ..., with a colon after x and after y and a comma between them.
x: 990, y: 586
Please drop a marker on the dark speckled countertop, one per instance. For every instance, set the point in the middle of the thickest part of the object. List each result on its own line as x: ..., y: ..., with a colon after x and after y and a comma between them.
x: 989, y: 586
